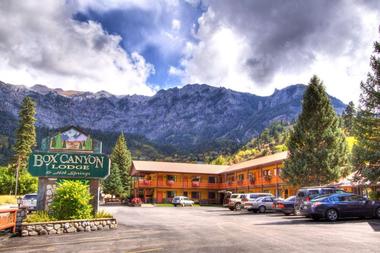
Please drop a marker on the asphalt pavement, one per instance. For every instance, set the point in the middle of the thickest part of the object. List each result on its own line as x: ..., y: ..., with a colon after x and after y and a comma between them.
x: 209, y: 229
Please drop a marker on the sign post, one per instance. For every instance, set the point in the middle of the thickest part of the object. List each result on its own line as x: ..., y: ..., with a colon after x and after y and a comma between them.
x: 70, y: 154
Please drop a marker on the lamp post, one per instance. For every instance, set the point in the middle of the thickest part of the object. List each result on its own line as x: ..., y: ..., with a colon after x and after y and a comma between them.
x: 19, y: 201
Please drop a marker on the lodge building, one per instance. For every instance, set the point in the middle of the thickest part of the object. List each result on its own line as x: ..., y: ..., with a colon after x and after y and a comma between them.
x: 159, y: 182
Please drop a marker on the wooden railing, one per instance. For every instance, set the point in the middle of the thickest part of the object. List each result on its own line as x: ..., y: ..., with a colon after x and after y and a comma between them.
x: 8, y: 219
x: 143, y: 183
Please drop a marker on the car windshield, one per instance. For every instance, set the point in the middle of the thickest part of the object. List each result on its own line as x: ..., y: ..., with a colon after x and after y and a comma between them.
x: 291, y: 198
x: 259, y: 199
x: 320, y: 198
x: 185, y: 198
x: 30, y: 196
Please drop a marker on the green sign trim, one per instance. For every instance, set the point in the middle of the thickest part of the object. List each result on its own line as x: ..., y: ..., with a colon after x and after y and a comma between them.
x: 69, y: 165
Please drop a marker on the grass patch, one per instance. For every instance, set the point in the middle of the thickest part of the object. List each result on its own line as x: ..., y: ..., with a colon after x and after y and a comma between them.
x: 39, y: 216
x: 8, y: 199
x: 103, y: 214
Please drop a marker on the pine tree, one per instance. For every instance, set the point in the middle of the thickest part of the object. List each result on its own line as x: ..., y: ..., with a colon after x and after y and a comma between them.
x: 317, y: 147
x: 348, y: 117
x: 113, y: 184
x: 122, y: 157
x: 25, y: 136
x: 366, y: 152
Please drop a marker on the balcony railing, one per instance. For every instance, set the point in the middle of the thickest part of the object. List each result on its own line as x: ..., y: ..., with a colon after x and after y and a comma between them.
x: 144, y: 183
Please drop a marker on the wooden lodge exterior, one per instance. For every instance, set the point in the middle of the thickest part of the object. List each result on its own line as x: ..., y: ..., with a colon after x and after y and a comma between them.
x: 159, y: 182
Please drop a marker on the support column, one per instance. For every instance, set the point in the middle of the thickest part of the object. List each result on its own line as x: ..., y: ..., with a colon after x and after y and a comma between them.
x: 94, y: 191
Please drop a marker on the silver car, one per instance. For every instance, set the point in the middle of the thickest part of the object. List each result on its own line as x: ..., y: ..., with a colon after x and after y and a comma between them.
x: 29, y: 201
x: 260, y: 205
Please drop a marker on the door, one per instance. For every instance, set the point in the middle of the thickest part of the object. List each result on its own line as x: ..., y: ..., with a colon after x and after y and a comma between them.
x: 160, y: 180
x: 159, y: 196
x: 359, y: 206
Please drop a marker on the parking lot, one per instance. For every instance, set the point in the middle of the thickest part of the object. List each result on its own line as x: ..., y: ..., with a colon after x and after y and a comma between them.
x: 209, y: 229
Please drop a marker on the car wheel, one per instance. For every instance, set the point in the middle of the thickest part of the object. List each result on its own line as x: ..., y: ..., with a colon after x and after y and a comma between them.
x: 377, y: 213
x: 332, y: 215
x: 175, y: 205
x: 183, y: 205
x: 231, y: 208
x: 297, y: 212
x: 237, y: 206
x: 262, y: 209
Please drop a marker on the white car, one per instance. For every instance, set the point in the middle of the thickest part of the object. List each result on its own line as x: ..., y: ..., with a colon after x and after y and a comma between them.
x: 29, y: 201
x: 182, y: 201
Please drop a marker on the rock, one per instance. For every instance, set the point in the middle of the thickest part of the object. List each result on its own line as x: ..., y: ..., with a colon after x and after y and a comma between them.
x: 108, y: 222
x: 106, y: 227
x: 57, y: 226
x: 24, y: 233
x: 100, y: 227
x: 43, y: 232
x: 71, y: 230
x: 30, y: 228
x: 32, y: 233
x: 76, y: 224
x: 38, y: 228
x: 96, y: 223
x: 52, y: 232
x: 87, y: 229
x: 59, y: 230
x: 104, y: 223
x: 66, y: 225
x: 49, y: 227
x: 93, y: 228
x: 80, y: 228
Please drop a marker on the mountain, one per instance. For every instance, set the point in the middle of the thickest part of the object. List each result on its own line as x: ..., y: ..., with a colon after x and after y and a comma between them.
x: 195, y: 118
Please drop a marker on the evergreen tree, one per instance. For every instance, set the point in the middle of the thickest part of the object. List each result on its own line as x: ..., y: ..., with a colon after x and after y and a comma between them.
x: 317, y: 146
x: 121, y: 156
x: 366, y: 152
x: 25, y: 136
x: 113, y: 184
x: 348, y: 117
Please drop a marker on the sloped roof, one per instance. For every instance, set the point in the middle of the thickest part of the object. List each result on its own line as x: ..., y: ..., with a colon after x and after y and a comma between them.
x: 177, y: 167
x: 151, y: 166
x: 258, y: 162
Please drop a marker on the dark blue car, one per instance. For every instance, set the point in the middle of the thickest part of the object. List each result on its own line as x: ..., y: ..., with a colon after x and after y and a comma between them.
x: 341, y: 205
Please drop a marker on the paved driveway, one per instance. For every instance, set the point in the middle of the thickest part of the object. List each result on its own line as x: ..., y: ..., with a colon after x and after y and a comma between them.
x: 209, y: 229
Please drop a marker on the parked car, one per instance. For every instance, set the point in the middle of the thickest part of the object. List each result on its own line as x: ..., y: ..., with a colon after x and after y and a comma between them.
x: 29, y: 201
x: 261, y: 204
x: 340, y: 205
x: 306, y: 194
x: 285, y: 206
x: 182, y: 201
x: 235, y: 201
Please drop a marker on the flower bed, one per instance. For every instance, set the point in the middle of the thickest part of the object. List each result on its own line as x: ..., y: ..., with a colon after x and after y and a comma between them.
x: 68, y: 226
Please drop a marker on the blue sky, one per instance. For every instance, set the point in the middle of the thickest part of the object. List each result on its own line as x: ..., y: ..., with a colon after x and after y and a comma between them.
x: 142, y: 46
x: 150, y: 32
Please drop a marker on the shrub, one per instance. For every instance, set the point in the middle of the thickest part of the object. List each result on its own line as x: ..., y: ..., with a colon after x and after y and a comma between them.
x: 39, y: 216
x: 374, y: 195
x: 103, y: 214
x: 71, y: 201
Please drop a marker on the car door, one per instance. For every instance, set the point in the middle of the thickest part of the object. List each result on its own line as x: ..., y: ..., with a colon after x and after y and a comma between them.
x: 268, y: 202
x: 359, y: 206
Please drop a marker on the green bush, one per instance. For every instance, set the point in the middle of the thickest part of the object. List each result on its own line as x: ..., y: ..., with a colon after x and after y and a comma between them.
x: 374, y: 195
x: 71, y: 201
x: 39, y: 216
x: 103, y: 214
x: 27, y: 183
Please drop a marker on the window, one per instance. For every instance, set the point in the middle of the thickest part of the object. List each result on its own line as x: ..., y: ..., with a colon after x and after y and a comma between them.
x: 211, y: 195
x: 355, y: 198
x: 196, y: 179
x: 170, y: 194
x: 241, y: 177
x: 327, y: 191
x: 170, y: 177
x: 211, y: 180
x: 195, y: 195
x: 266, y: 173
x: 185, y: 194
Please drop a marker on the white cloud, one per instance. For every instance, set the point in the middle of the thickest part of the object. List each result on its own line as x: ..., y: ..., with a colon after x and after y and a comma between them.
x: 45, y: 45
x: 227, y: 44
x: 176, y: 25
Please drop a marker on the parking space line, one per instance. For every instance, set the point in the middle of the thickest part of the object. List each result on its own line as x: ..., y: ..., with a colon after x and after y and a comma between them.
x: 146, y: 250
